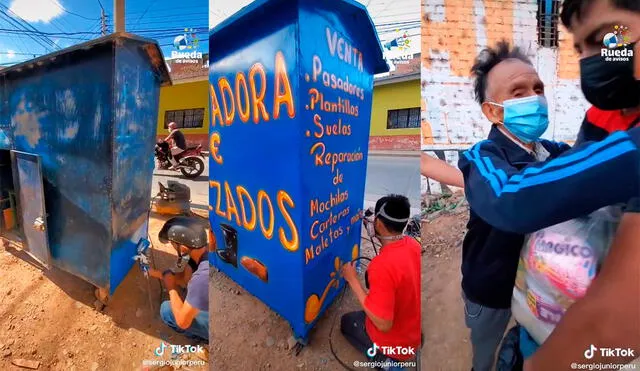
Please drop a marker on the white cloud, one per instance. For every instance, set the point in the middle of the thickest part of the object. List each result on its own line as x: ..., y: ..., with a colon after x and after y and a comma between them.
x: 220, y: 10
x: 36, y: 10
x: 11, y: 54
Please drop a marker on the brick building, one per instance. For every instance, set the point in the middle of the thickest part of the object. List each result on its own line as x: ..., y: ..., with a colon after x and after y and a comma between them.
x: 454, y: 31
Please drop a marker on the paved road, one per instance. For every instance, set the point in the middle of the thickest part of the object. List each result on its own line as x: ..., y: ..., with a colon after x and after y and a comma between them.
x: 393, y: 174
x: 199, y: 186
x: 384, y: 175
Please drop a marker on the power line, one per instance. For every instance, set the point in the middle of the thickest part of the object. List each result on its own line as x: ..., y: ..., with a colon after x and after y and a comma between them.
x: 55, y: 2
x: 153, y: 11
x: 21, y: 27
x: 159, y: 23
x: 172, y: 16
x: 167, y: 31
x: 178, y: 30
x: 103, y: 22
x: 27, y: 25
x: 40, y: 33
x: 175, y: 19
x: 95, y: 29
x: 31, y: 36
x: 145, y: 11
x: 24, y: 45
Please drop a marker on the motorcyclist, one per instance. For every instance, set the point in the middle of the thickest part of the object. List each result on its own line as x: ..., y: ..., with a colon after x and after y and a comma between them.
x: 178, y: 144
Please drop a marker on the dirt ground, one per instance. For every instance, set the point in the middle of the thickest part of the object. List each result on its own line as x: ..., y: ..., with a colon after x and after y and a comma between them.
x: 247, y: 335
x: 49, y: 317
x: 447, y: 346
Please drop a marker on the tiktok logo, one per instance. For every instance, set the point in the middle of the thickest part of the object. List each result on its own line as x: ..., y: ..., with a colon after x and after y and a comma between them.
x: 390, y: 351
x: 589, y: 353
x: 371, y: 352
x: 160, y: 350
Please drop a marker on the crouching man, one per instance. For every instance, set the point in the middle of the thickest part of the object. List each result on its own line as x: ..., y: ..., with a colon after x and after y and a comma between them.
x: 191, y: 315
x: 391, y: 303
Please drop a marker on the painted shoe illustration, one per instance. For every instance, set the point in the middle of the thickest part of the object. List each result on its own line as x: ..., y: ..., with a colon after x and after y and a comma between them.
x: 229, y: 254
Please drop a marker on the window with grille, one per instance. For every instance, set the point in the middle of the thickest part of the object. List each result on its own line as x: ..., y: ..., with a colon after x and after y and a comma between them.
x: 407, y: 118
x: 185, y: 118
x: 548, y: 18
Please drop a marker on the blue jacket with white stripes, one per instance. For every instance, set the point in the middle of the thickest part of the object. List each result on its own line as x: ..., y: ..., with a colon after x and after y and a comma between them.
x: 580, y: 180
x: 510, y: 193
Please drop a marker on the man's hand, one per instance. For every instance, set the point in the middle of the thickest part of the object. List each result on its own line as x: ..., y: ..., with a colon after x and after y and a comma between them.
x: 169, y: 280
x: 349, y: 272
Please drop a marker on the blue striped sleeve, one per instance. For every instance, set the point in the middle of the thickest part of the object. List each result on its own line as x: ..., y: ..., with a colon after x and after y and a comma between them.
x: 581, y: 180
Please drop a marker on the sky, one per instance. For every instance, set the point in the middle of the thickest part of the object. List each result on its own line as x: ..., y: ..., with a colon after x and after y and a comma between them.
x: 391, y: 17
x: 30, y: 28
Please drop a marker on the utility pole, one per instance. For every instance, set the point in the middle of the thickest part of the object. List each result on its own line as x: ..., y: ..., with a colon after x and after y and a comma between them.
x: 118, y: 15
x: 103, y: 22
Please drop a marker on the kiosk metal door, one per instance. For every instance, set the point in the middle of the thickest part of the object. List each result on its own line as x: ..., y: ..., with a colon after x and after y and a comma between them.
x: 31, y: 211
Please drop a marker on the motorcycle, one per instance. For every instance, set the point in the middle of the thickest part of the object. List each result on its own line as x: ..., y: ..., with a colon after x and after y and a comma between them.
x: 190, y: 162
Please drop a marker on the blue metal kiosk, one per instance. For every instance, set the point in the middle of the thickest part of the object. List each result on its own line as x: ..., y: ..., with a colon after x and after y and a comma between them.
x: 77, y: 132
x: 291, y: 86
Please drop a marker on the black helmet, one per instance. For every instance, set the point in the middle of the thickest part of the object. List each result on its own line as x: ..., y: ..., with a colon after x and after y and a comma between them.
x: 185, y: 231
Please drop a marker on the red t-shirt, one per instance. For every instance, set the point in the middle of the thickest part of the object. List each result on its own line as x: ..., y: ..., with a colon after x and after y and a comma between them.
x: 611, y: 120
x: 394, y: 295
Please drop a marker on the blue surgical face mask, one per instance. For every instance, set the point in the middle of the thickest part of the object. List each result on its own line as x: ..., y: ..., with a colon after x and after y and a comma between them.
x: 526, y: 118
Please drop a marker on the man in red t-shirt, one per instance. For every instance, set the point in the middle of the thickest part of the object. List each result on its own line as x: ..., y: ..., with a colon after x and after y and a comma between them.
x: 389, y: 326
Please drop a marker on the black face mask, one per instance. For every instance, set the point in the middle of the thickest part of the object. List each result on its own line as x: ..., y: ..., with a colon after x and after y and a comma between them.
x: 610, y: 85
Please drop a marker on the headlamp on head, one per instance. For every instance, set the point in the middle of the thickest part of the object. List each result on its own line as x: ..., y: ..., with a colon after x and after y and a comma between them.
x: 383, y: 215
x: 386, y: 216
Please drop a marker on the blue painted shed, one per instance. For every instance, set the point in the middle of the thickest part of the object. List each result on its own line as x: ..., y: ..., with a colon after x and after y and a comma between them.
x: 291, y: 88
x: 77, y: 132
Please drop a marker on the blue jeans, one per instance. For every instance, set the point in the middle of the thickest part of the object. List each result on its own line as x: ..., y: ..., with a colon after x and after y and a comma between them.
x: 528, y: 346
x: 487, y: 327
x: 199, y: 328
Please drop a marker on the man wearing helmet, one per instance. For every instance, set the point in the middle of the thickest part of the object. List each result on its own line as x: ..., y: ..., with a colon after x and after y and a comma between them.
x: 191, y: 315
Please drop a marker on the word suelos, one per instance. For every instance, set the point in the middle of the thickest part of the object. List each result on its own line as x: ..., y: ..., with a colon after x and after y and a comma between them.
x: 324, y: 129
x: 248, y: 210
x: 247, y: 98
